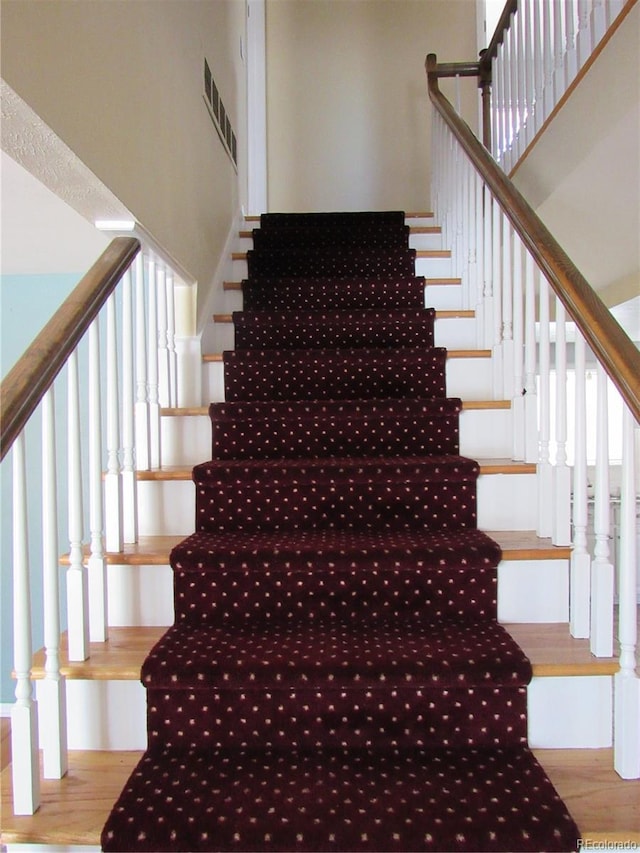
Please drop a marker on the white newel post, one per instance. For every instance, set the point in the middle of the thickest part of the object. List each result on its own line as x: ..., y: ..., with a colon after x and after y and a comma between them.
x: 142, y: 440
x: 129, y: 481
x: 601, y: 567
x: 561, y: 471
x: 545, y: 472
x: 77, y: 593
x: 24, y: 722
x: 97, y: 569
x: 580, y: 574
x: 626, y: 681
x: 152, y: 367
x: 114, y: 539
x: 51, y: 690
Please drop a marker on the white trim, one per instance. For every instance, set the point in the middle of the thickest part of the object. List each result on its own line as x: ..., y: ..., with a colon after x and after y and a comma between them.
x: 256, y: 107
x: 5, y: 709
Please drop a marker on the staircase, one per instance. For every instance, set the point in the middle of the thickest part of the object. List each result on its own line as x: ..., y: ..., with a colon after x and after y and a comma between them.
x: 506, y: 503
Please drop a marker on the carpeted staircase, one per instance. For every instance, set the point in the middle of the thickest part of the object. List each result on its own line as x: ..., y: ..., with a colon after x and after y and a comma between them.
x: 336, y: 678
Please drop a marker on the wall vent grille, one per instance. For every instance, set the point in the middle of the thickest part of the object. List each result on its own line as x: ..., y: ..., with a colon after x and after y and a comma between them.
x: 219, y: 115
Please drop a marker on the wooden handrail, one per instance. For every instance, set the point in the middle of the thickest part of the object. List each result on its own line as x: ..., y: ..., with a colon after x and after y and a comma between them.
x: 609, y: 342
x: 504, y: 22
x: 26, y: 383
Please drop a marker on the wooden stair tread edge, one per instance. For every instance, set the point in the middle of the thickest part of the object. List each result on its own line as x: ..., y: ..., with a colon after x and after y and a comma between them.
x: 200, y: 411
x: 487, y: 466
x: 441, y: 314
x: 214, y: 357
x: 155, y: 550
x: 553, y: 652
x: 73, y: 809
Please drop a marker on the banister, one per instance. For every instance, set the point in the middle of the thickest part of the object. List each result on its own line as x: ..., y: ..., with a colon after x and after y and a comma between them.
x: 609, y: 342
x: 26, y: 383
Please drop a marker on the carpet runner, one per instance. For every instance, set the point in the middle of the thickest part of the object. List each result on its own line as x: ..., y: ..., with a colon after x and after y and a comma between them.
x: 336, y: 678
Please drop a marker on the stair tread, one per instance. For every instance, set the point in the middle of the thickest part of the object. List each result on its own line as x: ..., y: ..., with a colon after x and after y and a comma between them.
x: 74, y: 809
x: 549, y: 647
x: 487, y: 466
x: 203, y: 411
x: 335, y: 784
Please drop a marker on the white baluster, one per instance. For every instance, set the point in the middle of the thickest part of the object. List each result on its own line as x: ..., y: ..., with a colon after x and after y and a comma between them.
x: 508, y: 103
x: 142, y: 459
x: 559, y: 51
x: 163, y: 351
x: 497, y: 303
x: 571, y: 55
x: 598, y: 23
x: 479, y: 245
x: 583, y: 37
x: 538, y: 65
x: 580, y: 581
x: 171, y: 340
x: 507, y: 310
x: 152, y: 366
x: 498, y: 87
x: 129, y: 482
x: 601, y: 567
x: 613, y: 9
x: 626, y: 681
x: 77, y: 593
x: 547, y: 58
x: 522, y: 73
x: 24, y: 716
x: 514, y: 62
x: 114, y: 539
x: 531, y: 395
x: 97, y: 567
x: 545, y: 472
x: 561, y: 471
x: 51, y: 690
x: 518, y: 395
x: 487, y: 219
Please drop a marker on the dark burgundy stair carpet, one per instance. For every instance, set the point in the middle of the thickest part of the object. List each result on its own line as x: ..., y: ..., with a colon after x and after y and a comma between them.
x: 336, y: 678
x: 333, y: 329
x: 309, y: 430
x: 300, y: 293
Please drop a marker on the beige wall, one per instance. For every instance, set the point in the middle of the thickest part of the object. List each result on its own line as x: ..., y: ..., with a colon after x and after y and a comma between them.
x: 348, y: 113
x: 120, y: 82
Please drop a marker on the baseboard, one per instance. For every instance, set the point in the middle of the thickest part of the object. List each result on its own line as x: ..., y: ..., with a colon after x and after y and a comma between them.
x: 222, y: 273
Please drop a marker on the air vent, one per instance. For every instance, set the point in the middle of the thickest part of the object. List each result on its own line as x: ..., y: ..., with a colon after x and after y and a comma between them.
x: 219, y: 115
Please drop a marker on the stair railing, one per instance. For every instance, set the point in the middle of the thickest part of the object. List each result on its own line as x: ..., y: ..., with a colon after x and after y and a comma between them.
x: 509, y: 260
x: 539, y: 49
x: 110, y: 430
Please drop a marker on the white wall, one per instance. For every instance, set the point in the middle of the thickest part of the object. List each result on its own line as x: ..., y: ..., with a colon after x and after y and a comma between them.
x: 348, y: 110
x: 121, y: 84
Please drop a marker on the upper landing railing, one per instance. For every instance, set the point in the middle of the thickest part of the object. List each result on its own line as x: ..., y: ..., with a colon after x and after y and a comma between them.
x: 531, y: 303
x: 539, y: 51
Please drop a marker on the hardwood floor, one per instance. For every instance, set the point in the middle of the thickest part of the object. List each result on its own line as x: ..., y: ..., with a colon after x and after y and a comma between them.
x: 5, y: 742
x: 74, y: 809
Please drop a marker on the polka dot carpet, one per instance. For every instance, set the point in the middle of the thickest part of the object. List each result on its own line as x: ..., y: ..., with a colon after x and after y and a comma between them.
x: 336, y: 679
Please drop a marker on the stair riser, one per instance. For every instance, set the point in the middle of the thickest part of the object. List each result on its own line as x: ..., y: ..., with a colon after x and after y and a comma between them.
x: 339, y: 376
x: 563, y: 713
x: 217, y: 596
x: 429, y: 267
x: 271, y: 503
x: 505, y: 502
x: 405, y: 718
x: 533, y: 591
x: 483, y: 432
x: 376, y: 435
x: 343, y: 336
x: 468, y: 378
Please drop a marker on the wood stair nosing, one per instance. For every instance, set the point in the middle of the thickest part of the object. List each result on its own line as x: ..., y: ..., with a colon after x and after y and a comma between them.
x: 467, y: 405
x: 213, y: 357
x: 487, y: 467
x: 441, y: 314
x: 550, y: 648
